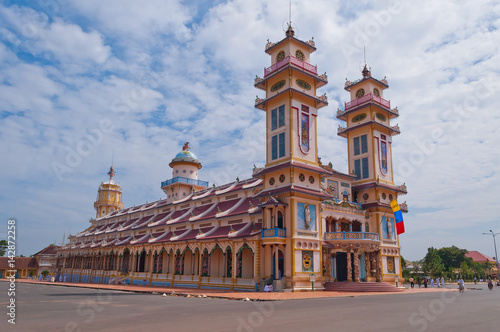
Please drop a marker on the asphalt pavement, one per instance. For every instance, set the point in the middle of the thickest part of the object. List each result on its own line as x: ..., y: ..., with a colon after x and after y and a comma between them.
x: 40, y: 307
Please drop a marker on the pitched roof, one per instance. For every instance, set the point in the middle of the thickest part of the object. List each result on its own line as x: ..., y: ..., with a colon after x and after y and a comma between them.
x: 20, y: 263
x: 50, y: 250
x: 478, y: 257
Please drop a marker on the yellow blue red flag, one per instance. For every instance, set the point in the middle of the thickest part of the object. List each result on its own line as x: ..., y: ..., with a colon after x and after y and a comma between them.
x: 398, y: 216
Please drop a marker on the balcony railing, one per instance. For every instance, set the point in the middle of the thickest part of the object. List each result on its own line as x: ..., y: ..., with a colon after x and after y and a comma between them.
x: 366, y: 98
x: 274, y: 232
x: 291, y: 60
x: 184, y: 180
x: 351, y: 236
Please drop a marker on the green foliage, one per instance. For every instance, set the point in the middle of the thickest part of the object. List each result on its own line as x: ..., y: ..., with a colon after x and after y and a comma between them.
x: 3, y: 247
x: 432, y: 263
x: 403, y: 263
x: 453, y: 257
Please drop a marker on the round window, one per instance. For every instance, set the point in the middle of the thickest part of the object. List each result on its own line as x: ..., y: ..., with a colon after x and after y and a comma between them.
x: 271, y: 181
x: 282, y: 178
x: 302, y: 177
x: 311, y: 179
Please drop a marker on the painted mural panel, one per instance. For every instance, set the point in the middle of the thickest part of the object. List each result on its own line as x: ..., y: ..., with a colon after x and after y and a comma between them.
x: 391, y: 267
x: 383, y: 157
x: 307, y: 261
x: 306, y: 216
x: 304, y: 132
x: 388, y: 228
x: 333, y: 188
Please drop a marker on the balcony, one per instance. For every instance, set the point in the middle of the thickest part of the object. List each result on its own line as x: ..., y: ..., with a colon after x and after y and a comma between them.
x: 180, y: 179
x: 294, y: 61
x: 342, y: 236
x: 367, y: 98
x: 274, y: 232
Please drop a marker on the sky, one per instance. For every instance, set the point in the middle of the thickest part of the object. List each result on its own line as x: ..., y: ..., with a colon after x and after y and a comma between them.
x: 84, y: 84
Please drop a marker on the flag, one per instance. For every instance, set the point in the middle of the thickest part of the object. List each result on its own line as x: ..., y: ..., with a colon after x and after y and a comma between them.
x: 398, y: 216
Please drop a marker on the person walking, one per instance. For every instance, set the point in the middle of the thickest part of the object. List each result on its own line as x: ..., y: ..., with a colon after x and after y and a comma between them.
x: 432, y: 283
x: 425, y: 282
x: 412, y: 283
x: 419, y: 282
x: 442, y: 281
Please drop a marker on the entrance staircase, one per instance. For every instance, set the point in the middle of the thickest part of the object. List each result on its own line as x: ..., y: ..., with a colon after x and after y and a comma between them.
x: 344, y: 286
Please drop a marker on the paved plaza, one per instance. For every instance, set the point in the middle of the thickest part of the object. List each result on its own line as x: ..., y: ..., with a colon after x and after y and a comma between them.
x: 53, y: 307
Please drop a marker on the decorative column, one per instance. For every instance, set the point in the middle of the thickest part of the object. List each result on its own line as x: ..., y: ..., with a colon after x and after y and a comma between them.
x: 356, y: 266
x: 378, y: 266
x: 349, y: 266
x: 367, y: 264
x: 276, y: 267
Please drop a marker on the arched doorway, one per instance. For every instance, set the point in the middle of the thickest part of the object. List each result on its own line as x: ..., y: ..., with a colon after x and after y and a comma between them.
x: 246, y: 257
x: 216, y: 263
x: 125, y: 261
x: 188, y: 262
x: 142, y: 261
x: 281, y: 265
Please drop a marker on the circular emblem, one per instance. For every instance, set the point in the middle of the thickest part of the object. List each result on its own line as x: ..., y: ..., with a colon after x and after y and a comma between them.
x: 365, y: 196
x: 299, y: 55
x: 376, y: 92
x: 282, y: 178
x: 360, y: 93
x: 311, y: 179
x: 302, y: 177
x: 271, y: 181
x: 280, y: 56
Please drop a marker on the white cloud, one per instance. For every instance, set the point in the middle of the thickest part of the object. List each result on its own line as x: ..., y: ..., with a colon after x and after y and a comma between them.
x: 185, y: 73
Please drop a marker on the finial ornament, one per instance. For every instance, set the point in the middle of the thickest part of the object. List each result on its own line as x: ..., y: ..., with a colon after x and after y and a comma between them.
x: 185, y: 147
x: 111, y: 173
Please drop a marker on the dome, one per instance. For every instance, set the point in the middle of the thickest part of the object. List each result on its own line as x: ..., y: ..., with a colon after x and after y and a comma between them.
x: 186, y: 154
x: 187, y: 157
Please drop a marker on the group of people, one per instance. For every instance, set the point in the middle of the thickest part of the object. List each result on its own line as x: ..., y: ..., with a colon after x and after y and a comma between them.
x: 437, y: 282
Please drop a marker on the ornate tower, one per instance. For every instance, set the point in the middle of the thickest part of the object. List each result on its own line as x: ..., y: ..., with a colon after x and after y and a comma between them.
x: 184, y: 179
x: 109, y: 196
x: 291, y: 195
x: 369, y: 137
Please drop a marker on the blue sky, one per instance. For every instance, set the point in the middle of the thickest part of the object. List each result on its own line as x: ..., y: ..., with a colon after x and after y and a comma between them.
x: 81, y: 79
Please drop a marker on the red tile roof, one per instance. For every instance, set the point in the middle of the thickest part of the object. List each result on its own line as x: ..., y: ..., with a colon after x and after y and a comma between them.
x: 20, y: 263
x: 478, y: 257
x: 50, y: 250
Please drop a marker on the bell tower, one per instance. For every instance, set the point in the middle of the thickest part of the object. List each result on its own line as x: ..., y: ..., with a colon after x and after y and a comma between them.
x: 109, y: 196
x: 292, y: 195
x: 369, y: 135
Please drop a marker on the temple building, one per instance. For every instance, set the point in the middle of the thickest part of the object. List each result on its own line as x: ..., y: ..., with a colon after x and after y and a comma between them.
x: 295, y: 220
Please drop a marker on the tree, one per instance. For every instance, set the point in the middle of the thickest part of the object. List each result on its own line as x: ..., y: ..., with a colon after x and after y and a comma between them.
x: 453, y: 257
x: 464, y: 270
x: 432, y: 264
x: 3, y: 247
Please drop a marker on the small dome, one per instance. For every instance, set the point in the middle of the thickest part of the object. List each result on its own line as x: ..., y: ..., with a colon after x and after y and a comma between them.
x: 186, y: 156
